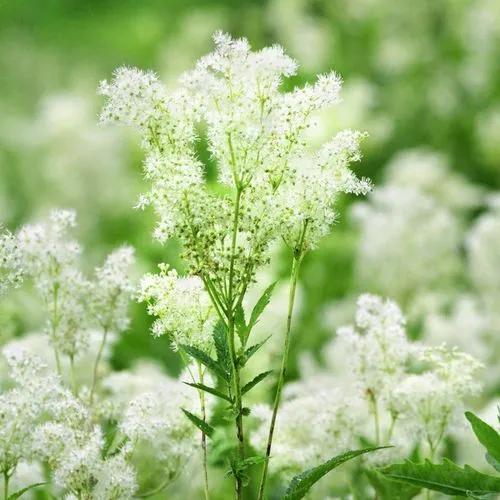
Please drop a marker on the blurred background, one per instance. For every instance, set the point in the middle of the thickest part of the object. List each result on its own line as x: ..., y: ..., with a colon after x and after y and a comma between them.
x: 422, y: 78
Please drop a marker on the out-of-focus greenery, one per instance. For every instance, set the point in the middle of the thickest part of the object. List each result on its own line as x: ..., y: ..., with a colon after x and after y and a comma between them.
x: 423, y: 73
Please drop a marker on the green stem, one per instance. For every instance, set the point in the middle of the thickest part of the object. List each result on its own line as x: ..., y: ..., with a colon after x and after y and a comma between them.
x: 73, y: 377
x: 96, y: 366
x: 54, y: 324
x: 232, y: 349
x: 284, y: 360
x: 6, y: 478
x: 376, y: 419
x: 203, y: 435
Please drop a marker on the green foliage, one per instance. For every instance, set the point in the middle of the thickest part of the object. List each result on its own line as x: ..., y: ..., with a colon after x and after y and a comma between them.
x: 302, y: 483
x: 239, y: 468
x: 387, y: 489
x: 221, y: 346
x: 207, y: 361
x: 248, y: 353
x: 260, y: 306
x: 202, y: 425
x: 19, y: 493
x: 211, y: 390
x: 488, y: 437
x: 446, y: 478
x: 255, y: 381
x: 242, y: 328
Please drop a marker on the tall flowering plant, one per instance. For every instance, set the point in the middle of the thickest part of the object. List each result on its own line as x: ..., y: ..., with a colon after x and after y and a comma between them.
x: 273, y: 185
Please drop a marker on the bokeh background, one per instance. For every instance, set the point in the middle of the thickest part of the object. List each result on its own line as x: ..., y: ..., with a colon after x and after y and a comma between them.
x: 422, y: 78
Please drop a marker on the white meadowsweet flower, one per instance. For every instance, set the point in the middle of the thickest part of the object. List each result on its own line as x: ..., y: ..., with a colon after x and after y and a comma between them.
x: 116, y: 479
x: 182, y: 307
x: 430, y: 173
x: 314, y: 423
x: 408, y: 243
x: 256, y: 135
x: 376, y: 345
x: 51, y: 260
x: 430, y: 403
x: 36, y: 395
x: 483, y: 254
x: 157, y: 428
x: 134, y: 97
x: 11, y: 270
x: 112, y: 290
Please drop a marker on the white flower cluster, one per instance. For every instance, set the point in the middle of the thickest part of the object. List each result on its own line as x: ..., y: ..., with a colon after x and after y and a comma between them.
x: 113, y: 288
x: 41, y: 420
x: 315, y: 422
x: 161, y: 434
x: 74, y: 303
x: 413, y: 226
x: 429, y: 172
x: 483, y: 254
x: 51, y: 259
x: 11, y: 270
x: 377, y: 342
x: 147, y: 404
x: 428, y: 403
x: 404, y: 232
x: 182, y: 307
x: 413, y: 392
x: 256, y: 135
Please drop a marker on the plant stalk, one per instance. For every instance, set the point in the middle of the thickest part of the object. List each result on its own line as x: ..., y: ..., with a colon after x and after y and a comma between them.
x: 6, y: 478
x: 232, y: 349
x: 203, y: 435
x: 96, y: 366
x: 294, y: 276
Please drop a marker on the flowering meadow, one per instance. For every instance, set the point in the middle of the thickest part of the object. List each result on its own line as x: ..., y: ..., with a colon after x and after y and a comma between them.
x: 250, y: 251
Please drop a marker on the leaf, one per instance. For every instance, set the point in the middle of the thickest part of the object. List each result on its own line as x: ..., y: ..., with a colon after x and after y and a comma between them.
x: 301, y: 483
x: 221, y: 346
x: 260, y: 306
x: 211, y: 390
x: 238, y: 467
x: 18, y: 493
x: 240, y: 323
x: 447, y: 478
x: 255, y: 381
x: 206, y: 360
x: 203, y: 426
x: 387, y: 489
x: 251, y: 351
x: 488, y: 437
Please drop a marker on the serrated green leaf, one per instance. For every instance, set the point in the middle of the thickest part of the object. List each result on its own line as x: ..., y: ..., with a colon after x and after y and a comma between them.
x: 238, y: 467
x: 206, y: 360
x: 301, y: 484
x: 203, y: 426
x: 260, y: 306
x: 446, y: 478
x: 240, y: 324
x: 388, y: 489
x: 221, y: 346
x: 255, y: 381
x: 251, y: 351
x: 211, y: 390
x: 488, y: 437
x: 18, y: 493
